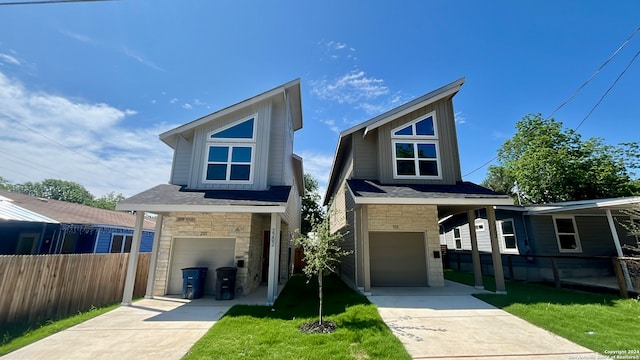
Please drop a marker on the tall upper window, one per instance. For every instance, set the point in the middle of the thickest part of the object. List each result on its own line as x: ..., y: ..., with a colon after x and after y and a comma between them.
x: 231, y: 152
x: 415, y: 149
x: 567, y: 234
x: 457, y: 238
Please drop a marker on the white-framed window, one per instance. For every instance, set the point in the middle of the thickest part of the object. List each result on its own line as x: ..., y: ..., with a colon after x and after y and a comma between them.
x: 457, y: 238
x: 230, y: 153
x: 507, y: 233
x: 567, y: 234
x: 415, y: 149
x: 120, y: 243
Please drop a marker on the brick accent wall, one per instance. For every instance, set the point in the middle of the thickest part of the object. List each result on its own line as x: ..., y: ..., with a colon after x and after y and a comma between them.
x: 414, y: 218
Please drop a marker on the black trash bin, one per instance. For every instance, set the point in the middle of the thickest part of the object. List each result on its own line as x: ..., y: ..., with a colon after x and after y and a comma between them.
x: 225, y: 283
x: 193, y: 282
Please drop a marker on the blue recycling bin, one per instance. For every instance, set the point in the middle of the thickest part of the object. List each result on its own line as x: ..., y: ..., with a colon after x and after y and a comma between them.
x: 193, y: 282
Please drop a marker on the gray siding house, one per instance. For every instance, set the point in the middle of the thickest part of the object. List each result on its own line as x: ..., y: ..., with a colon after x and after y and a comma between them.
x: 567, y: 230
x: 233, y: 198
x: 393, y: 177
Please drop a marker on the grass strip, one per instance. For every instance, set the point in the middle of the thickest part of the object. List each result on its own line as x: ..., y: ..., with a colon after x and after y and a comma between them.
x: 15, y: 336
x: 600, y: 322
x: 263, y: 332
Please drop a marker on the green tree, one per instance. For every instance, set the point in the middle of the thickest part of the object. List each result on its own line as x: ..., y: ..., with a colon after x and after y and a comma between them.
x: 5, y: 184
x: 57, y: 190
x: 552, y: 164
x: 311, y: 209
x: 108, y: 201
x: 321, y: 254
x: 497, y: 180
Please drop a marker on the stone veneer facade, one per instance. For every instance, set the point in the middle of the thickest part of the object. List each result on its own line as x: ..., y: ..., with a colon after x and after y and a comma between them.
x: 412, y: 218
x: 248, y: 230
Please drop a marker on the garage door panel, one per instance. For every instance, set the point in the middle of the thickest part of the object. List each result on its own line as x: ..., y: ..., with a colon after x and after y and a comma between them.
x: 397, y: 259
x: 211, y: 253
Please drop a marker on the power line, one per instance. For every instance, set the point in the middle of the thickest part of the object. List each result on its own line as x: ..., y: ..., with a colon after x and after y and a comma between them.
x: 595, y: 73
x: 609, y: 89
x: 42, y: 2
x: 580, y: 88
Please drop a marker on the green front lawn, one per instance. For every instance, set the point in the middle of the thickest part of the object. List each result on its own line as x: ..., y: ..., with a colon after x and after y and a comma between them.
x: 263, y: 332
x: 600, y: 322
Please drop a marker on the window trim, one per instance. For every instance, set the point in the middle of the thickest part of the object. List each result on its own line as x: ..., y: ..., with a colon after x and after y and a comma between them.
x: 416, y: 140
x: 230, y: 143
x: 578, y: 248
x: 229, y: 126
x: 501, y: 234
x: 453, y: 233
x: 479, y: 225
x: 122, y: 245
x: 229, y: 162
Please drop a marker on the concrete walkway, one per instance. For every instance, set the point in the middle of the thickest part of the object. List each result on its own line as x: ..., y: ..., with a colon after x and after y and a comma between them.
x: 449, y: 323
x: 160, y: 328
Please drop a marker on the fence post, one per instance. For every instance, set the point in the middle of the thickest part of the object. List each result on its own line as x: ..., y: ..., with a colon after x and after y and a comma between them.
x: 556, y: 274
x: 622, y: 283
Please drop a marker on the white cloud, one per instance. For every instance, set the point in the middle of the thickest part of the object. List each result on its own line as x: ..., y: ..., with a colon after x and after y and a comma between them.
x: 319, y: 166
x: 187, y: 106
x: 350, y: 88
x: 141, y: 59
x: 43, y: 135
x: 173, y: 101
x: 459, y: 118
x: 6, y: 58
x: 78, y: 37
x: 332, y: 126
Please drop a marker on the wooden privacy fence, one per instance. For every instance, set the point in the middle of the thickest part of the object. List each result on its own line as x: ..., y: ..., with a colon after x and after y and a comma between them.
x: 34, y: 288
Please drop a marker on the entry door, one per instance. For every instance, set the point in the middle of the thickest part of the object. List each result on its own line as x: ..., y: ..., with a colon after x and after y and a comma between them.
x: 397, y: 259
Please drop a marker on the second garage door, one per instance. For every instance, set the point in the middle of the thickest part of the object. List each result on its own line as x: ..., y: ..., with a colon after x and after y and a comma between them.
x: 211, y: 253
x: 397, y: 259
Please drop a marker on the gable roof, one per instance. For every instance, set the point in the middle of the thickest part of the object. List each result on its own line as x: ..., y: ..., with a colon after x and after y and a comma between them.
x: 438, y: 94
x: 70, y: 213
x: 290, y: 90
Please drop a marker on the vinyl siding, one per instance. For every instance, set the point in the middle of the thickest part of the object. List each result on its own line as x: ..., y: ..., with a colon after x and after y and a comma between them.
x: 447, y: 145
x: 348, y: 263
x: 365, y: 155
x: 103, y: 243
x: 181, y: 168
x: 261, y: 158
x: 280, y: 146
x: 595, y: 235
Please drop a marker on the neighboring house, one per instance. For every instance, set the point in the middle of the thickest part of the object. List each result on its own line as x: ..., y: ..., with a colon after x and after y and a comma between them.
x: 568, y: 230
x: 234, y: 195
x: 392, y: 178
x: 32, y: 225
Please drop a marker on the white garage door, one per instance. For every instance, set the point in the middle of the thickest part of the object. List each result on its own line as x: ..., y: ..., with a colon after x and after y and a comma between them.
x: 211, y: 253
x: 397, y: 259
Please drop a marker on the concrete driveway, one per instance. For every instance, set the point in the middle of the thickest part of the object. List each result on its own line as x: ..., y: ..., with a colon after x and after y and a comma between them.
x: 449, y: 323
x: 160, y: 328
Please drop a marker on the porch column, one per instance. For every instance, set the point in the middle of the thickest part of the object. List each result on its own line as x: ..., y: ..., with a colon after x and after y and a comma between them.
x: 132, y: 267
x: 366, y: 266
x: 274, y: 252
x: 495, y: 252
x: 616, y: 242
x: 151, y: 278
x: 475, y: 254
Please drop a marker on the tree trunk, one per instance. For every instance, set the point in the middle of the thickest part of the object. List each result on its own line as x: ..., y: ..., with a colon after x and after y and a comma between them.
x: 320, y: 296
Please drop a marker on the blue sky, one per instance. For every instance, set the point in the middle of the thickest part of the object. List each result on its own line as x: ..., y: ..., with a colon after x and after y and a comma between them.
x: 85, y: 88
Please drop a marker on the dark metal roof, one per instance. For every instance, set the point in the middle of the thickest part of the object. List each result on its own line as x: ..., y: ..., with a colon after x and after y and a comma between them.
x: 462, y: 189
x: 167, y: 194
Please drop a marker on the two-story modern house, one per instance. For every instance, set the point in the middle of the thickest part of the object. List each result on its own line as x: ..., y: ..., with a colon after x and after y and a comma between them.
x: 233, y: 198
x: 392, y: 178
